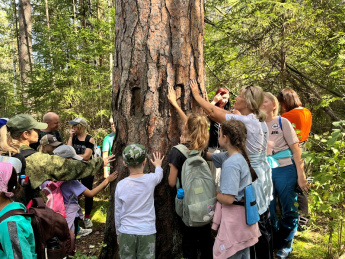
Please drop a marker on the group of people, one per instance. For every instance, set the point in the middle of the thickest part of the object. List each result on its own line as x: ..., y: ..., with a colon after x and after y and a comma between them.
x: 252, y: 136
x: 249, y: 145
x: 53, y: 161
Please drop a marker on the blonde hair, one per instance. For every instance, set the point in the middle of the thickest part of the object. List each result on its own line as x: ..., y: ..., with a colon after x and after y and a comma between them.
x: 254, y: 96
x: 274, y: 100
x: 197, y: 126
x: 81, y: 128
x: 48, y: 149
x: 9, y: 143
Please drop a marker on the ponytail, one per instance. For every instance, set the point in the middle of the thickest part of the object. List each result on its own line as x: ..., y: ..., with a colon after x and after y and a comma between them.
x: 8, y: 145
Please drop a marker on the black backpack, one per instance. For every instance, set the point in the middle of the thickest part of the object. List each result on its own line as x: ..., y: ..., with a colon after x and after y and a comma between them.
x: 52, y: 235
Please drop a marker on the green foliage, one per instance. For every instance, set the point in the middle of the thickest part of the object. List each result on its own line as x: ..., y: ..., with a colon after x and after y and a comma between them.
x: 278, y: 44
x: 327, y: 158
x: 72, y: 61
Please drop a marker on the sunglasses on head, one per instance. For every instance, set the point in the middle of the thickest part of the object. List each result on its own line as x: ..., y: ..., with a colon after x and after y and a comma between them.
x: 250, y: 89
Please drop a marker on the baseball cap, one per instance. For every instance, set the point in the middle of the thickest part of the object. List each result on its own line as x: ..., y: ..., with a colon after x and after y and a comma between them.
x: 134, y: 154
x: 50, y: 140
x: 24, y: 122
x: 16, y: 163
x: 66, y: 152
x: 78, y: 120
x: 3, y: 121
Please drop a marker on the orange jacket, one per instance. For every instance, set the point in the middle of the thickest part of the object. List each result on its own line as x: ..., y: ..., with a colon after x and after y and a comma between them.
x: 301, y: 120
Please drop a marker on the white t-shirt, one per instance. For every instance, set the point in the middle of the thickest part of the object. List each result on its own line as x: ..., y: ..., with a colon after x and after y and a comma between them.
x: 134, y: 204
x: 256, y: 132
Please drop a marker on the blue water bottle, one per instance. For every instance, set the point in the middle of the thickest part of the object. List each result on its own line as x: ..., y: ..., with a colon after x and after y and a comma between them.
x: 180, y: 194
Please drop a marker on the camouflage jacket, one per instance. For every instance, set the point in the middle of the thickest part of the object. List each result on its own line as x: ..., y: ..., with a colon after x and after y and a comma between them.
x: 41, y: 167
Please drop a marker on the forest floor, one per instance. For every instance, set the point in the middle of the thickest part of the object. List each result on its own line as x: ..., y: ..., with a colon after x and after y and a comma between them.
x: 307, y: 244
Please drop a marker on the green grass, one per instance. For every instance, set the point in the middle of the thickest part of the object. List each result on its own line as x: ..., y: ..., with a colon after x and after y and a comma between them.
x: 309, y: 244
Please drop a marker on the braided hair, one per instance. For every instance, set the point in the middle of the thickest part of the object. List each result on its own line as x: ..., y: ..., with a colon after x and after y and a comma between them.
x: 236, y: 131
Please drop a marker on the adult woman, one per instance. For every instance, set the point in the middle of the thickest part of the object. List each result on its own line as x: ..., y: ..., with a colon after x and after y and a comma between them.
x: 248, y: 104
x: 195, y: 138
x: 16, y: 234
x: 287, y: 170
x: 300, y: 117
x: 221, y: 100
x: 22, y: 130
x: 291, y: 109
x: 83, y: 144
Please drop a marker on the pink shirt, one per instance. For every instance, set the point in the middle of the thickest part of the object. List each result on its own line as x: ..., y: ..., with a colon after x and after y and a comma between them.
x: 279, y: 140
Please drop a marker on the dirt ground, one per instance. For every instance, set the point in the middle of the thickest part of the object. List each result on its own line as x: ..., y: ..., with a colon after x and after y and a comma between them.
x: 91, y: 245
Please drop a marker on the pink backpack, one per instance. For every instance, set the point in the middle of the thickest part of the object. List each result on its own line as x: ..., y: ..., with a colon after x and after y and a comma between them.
x: 55, y: 198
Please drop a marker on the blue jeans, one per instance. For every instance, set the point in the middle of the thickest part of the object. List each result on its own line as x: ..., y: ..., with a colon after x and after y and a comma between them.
x: 284, y: 183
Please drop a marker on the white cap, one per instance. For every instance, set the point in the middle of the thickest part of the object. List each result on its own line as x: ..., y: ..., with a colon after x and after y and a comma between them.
x: 66, y: 152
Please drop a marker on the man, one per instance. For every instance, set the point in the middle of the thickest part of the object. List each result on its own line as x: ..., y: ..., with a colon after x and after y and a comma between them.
x: 107, y: 145
x: 53, y: 120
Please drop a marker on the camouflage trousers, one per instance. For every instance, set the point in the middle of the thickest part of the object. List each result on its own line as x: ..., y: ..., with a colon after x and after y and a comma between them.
x: 137, y: 246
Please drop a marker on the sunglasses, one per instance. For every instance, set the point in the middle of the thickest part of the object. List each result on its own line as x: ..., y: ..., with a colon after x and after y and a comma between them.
x: 250, y: 89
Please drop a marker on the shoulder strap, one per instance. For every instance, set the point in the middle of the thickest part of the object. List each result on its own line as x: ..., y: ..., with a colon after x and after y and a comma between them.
x: 183, y: 149
x: 280, y: 122
x: 10, y: 214
x: 27, y: 152
x: 13, y: 213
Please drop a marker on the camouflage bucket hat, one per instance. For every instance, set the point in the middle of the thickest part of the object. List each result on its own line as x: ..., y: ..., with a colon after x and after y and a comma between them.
x: 134, y: 154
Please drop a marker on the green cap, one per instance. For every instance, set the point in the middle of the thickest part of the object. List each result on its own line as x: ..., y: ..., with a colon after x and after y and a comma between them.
x: 24, y: 122
x: 134, y: 154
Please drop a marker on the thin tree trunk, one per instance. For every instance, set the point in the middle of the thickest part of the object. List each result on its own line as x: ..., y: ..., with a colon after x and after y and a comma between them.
x: 25, y: 40
x: 49, y: 40
x: 159, y: 44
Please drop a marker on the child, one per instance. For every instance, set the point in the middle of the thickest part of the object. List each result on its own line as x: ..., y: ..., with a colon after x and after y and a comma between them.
x: 16, y: 234
x: 48, y: 143
x: 135, y: 218
x: 195, y: 137
x: 83, y: 144
x: 72, y: 189
x: 234, y: 236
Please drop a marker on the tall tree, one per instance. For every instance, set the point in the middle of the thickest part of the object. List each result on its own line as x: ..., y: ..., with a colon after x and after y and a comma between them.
x: 158, y: 44
x: 25, y: 39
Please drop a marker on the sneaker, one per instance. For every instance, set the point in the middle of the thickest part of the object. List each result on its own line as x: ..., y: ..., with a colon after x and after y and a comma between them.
x: 88, y: 223
x: 284, y: 253
x: 83, y: 232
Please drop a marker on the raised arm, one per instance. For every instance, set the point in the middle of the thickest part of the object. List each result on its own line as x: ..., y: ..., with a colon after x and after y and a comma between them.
x: 214, y: 113
x: 172, y: 100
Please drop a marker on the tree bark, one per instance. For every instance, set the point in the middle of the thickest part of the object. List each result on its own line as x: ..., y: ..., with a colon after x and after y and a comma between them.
x: 25, y: 39
x: 158, y: 44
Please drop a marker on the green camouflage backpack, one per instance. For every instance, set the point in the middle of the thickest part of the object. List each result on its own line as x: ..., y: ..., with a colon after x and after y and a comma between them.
x: 198, y: 205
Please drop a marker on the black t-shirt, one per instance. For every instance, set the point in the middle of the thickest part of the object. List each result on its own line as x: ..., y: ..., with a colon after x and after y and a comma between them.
x: 80, y: 146
x: 176, y: 158
x: 214, y: 134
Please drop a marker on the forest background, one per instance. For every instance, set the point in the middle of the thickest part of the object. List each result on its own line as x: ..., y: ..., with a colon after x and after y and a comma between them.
x: 57, y: 55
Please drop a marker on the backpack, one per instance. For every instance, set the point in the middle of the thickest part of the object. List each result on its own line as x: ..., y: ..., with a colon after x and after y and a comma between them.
x: 55, y: 198
x: 198, y: 205
x: 47, y: 226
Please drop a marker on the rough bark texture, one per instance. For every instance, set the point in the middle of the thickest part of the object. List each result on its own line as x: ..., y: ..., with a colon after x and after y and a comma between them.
x: 25, y: 39
x: 159, y: 43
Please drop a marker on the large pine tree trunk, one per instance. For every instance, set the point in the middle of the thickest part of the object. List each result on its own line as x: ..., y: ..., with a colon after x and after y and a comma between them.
x: 159, y: 43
